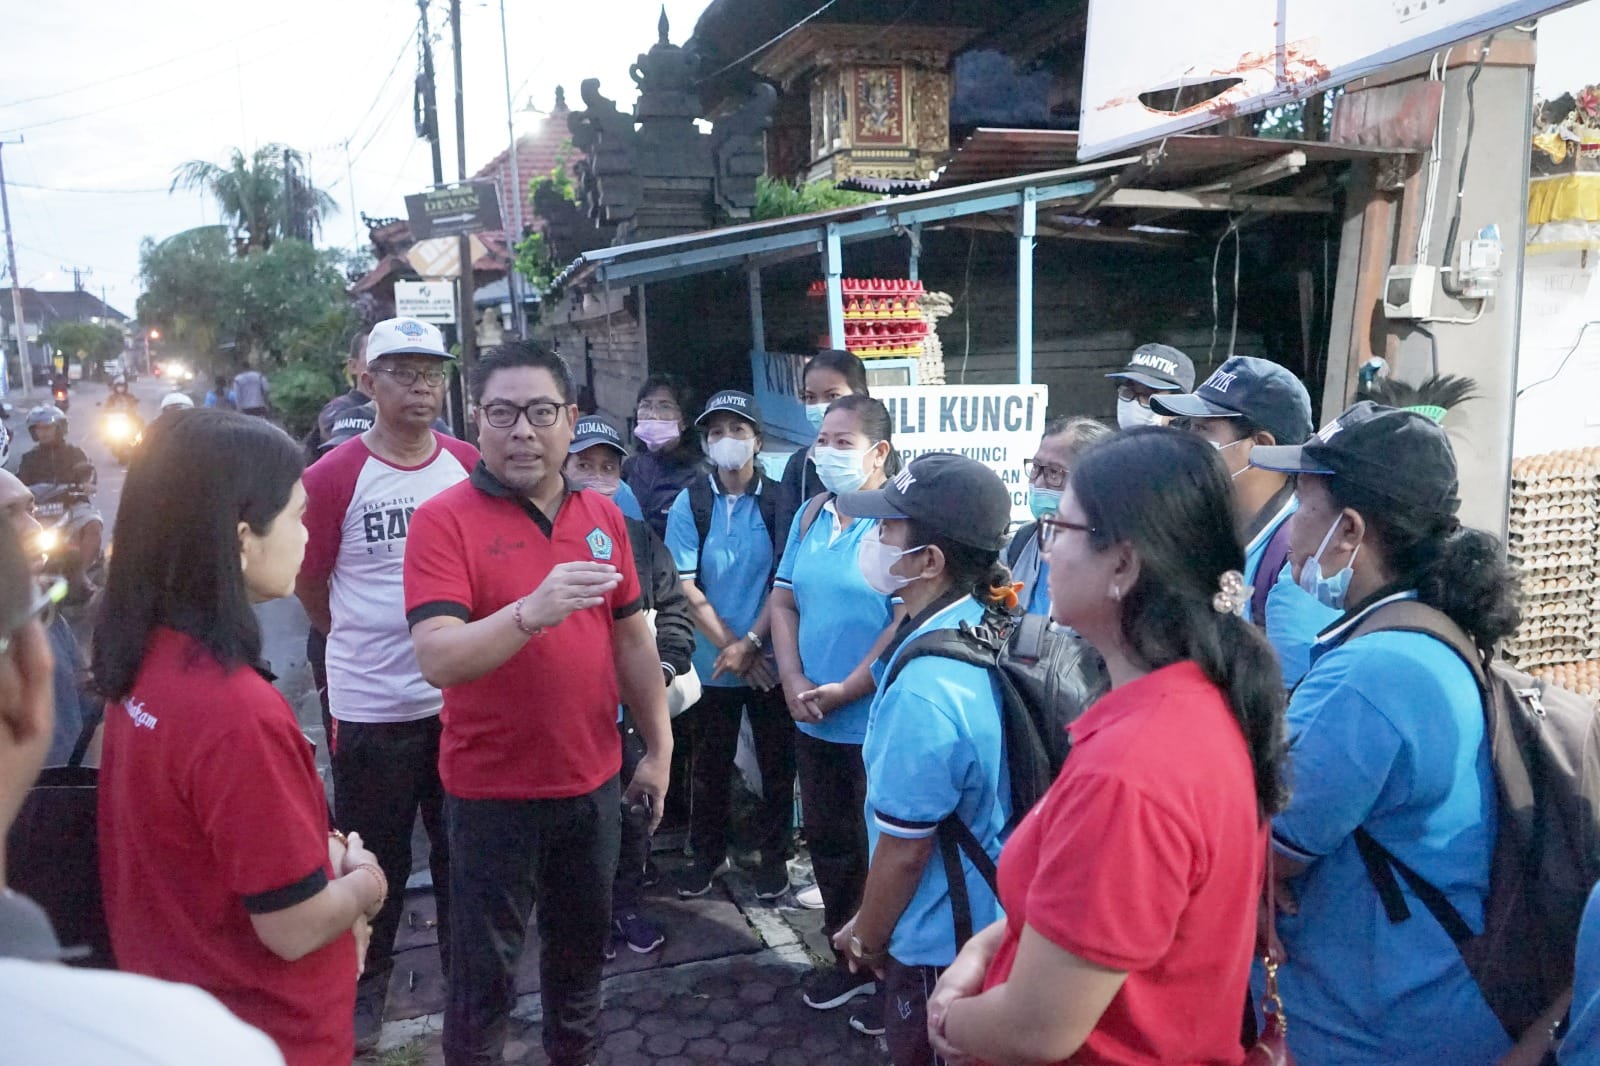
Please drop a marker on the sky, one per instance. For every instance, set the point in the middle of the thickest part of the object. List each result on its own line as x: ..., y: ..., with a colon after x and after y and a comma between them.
x: 110, y: 98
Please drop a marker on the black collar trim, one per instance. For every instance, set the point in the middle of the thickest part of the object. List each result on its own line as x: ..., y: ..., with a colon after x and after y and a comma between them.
x: 485, y: 482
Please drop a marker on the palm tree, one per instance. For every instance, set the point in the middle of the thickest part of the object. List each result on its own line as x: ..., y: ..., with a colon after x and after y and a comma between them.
x: 265, y: 196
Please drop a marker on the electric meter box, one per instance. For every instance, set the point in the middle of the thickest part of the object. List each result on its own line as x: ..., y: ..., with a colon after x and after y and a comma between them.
x: 1408, y: 291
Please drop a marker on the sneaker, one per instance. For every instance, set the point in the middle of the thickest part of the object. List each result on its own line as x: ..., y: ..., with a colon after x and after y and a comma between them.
x: 370, y: 1000
x: 651, y: 876
x: 611, y: 950
x: 810, y: 898
x: 867, y: 1018
x: 771, y: 880
x: 836, y: 986
x: 697, y: 878
x: 641, y: 936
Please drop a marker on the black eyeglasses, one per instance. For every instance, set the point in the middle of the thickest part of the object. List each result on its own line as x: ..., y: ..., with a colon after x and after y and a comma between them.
x: 657, y: 409
x: 50, y: 592
x: 1049, y: 525
x: 1053, y: 476
x: 408, y: 375
x: 541, y: 414
x: 1128, y: 392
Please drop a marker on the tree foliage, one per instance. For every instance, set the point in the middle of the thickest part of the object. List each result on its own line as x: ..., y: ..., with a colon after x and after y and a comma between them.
x: 779, y: 199
x: 87, y: 342
x: 266, y: 196
x: 534, y: 259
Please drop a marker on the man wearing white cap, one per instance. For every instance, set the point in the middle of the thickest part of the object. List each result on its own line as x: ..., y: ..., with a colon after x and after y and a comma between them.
x: 385, y: 745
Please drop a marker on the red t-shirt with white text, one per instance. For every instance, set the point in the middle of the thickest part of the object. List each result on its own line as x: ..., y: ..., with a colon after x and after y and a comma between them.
x: 542, y: 725
x: 211, y: 807
x: 1146, y: 856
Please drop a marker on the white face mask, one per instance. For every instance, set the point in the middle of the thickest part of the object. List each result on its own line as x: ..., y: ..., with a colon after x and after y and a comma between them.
x: 731, y: 453
x: 841, y: 469
x: 815, y: 413
x: 1131, y: 414
x: 1330, y: 591
x: 1225, y: 447
x: 876, y: 560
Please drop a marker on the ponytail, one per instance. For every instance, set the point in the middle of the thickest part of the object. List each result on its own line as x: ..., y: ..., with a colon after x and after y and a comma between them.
x: 1468, y: 578
x: 978, y: 570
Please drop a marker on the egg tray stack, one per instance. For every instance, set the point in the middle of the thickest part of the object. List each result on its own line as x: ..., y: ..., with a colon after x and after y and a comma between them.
x: 1555, y: 509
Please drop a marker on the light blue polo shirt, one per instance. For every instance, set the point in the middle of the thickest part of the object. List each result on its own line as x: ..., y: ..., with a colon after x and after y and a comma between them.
x: 841, y: 617
x: 1582, y: 1044
x: 1386, y: 732
x: 732, y: 569
x: 935, y: 744
x: 628, y: 503
x: 1257, y: 549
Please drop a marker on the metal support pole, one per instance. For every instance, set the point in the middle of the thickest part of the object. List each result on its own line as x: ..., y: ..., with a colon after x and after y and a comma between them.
x: 16, y: 291
x: 1026, y: 231
x: 518, y: 193
x: 914, y: 267
x: 758, y: 322
x: 833, y: 259
x: 467, y: 311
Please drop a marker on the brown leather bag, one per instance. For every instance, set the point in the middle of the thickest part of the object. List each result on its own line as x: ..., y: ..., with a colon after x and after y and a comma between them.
x: 1271, y: 1047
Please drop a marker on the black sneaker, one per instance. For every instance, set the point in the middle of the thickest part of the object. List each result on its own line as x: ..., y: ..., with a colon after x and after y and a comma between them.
x: 611, y: 950
x: 697, y: 878
x: 651, y: 876
x: 867, y: 1017
x: 371, y: 997
x: 641, y: 936
x: 772, y: 880
x: 836, y: 986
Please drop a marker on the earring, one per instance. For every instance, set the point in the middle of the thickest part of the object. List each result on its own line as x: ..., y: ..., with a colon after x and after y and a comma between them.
x: 1116, y: 593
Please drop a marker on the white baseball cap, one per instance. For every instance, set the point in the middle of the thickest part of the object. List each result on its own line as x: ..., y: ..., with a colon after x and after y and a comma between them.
x: 405, y: 336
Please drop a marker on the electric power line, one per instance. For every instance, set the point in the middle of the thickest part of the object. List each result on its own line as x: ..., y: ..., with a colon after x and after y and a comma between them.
x: 383, y: 85
x: 87, y: 192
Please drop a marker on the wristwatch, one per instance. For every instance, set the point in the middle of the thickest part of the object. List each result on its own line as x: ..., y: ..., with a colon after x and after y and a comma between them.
x: 872, y: 957
x: 755, y: 639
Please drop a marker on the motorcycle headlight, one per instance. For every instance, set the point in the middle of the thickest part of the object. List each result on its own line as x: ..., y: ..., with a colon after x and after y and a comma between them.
x: 48, y: 541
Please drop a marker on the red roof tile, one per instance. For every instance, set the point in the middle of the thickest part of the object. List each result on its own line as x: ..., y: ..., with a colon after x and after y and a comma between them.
x: 537, y: 154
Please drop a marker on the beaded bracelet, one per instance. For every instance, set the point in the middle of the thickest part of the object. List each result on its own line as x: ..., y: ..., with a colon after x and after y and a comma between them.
x: 516, y: 616
x: 383, y: 882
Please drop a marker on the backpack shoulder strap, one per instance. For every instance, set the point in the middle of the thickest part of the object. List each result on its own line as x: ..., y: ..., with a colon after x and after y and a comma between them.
x: 700, y: 506
x: 767, y: 504
x: 955, y: 840
x: 813, y: 511
x: 1272, y: 560
x: 1414, y: 616
x: 955, y: 644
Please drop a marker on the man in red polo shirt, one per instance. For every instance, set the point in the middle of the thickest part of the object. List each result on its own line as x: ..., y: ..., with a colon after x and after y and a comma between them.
x: 524, y: 608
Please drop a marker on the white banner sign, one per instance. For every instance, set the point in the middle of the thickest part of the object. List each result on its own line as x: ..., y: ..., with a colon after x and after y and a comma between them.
x: 1153, y: 67
x: 428, y: 301
x: 998, y: 425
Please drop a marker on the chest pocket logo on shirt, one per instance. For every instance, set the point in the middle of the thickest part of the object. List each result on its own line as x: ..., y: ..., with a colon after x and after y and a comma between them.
x: 600, y: 544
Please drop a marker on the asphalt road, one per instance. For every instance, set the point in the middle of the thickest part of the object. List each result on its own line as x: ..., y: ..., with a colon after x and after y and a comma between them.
x: 283, y: 623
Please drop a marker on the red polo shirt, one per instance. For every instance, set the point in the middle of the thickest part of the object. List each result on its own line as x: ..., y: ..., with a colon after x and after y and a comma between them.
x: 210, y: 810
x: 1146, y: 856
x: 543, y: 724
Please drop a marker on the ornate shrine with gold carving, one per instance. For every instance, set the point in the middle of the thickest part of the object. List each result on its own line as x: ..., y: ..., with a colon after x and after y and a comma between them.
x: 878, y: 98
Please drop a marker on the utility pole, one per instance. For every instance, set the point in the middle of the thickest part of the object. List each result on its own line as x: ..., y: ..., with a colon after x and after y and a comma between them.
x: 513, y: 282
x: 466, y: 313
x: 16, y: 288
x: 428, y: 123
x: 291, y: 227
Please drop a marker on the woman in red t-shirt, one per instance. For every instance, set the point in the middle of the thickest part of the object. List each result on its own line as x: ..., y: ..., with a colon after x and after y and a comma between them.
x: 1130, y: 890
x: 215, y: 858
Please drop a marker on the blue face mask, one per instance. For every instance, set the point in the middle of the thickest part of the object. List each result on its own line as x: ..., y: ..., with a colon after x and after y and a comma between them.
x: 1294, y: 618
x: 1043, y: 502
x: 1329, y: 591
x: 814, y: 415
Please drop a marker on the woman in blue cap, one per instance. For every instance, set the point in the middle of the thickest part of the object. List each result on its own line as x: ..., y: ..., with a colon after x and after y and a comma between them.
x: 1387, y: 747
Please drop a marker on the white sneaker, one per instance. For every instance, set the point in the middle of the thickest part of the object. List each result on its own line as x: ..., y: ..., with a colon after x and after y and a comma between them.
x: 809, y: 898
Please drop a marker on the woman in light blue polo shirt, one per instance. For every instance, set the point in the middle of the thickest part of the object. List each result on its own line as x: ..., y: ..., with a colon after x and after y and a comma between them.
x: 720, y: 536
x: 828, y: 627
x: 1387, y: 748
x: 934, y: 745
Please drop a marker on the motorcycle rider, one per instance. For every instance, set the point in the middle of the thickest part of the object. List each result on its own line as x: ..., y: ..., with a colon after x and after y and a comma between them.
x: 55, y: 462
x: 121, y: 399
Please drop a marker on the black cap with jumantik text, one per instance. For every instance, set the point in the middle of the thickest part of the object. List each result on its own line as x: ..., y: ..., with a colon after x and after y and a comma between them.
x: 1259, y: 390
x: 944, y: 493
x: 740, y: 403
x: 1395, y: 456
x: 592, y: 430
x: 1160, y: 367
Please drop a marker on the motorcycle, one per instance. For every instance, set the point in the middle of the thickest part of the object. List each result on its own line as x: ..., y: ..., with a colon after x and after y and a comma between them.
x: 58, y: 396
x: 122, y: 431
x: 58, y: 540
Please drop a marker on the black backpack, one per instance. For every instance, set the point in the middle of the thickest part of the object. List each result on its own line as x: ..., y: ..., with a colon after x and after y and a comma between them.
x: 1047, y: 677
x: 702, y: 502
x: 1544, y: 747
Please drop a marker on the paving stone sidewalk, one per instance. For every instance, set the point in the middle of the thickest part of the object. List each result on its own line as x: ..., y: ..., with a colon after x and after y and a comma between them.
x: 739, y: 1007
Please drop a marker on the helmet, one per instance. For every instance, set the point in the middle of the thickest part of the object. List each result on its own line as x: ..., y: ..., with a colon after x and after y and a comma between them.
x: 119, y: 381
x: 46, y: 414
x: 175, y: 399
